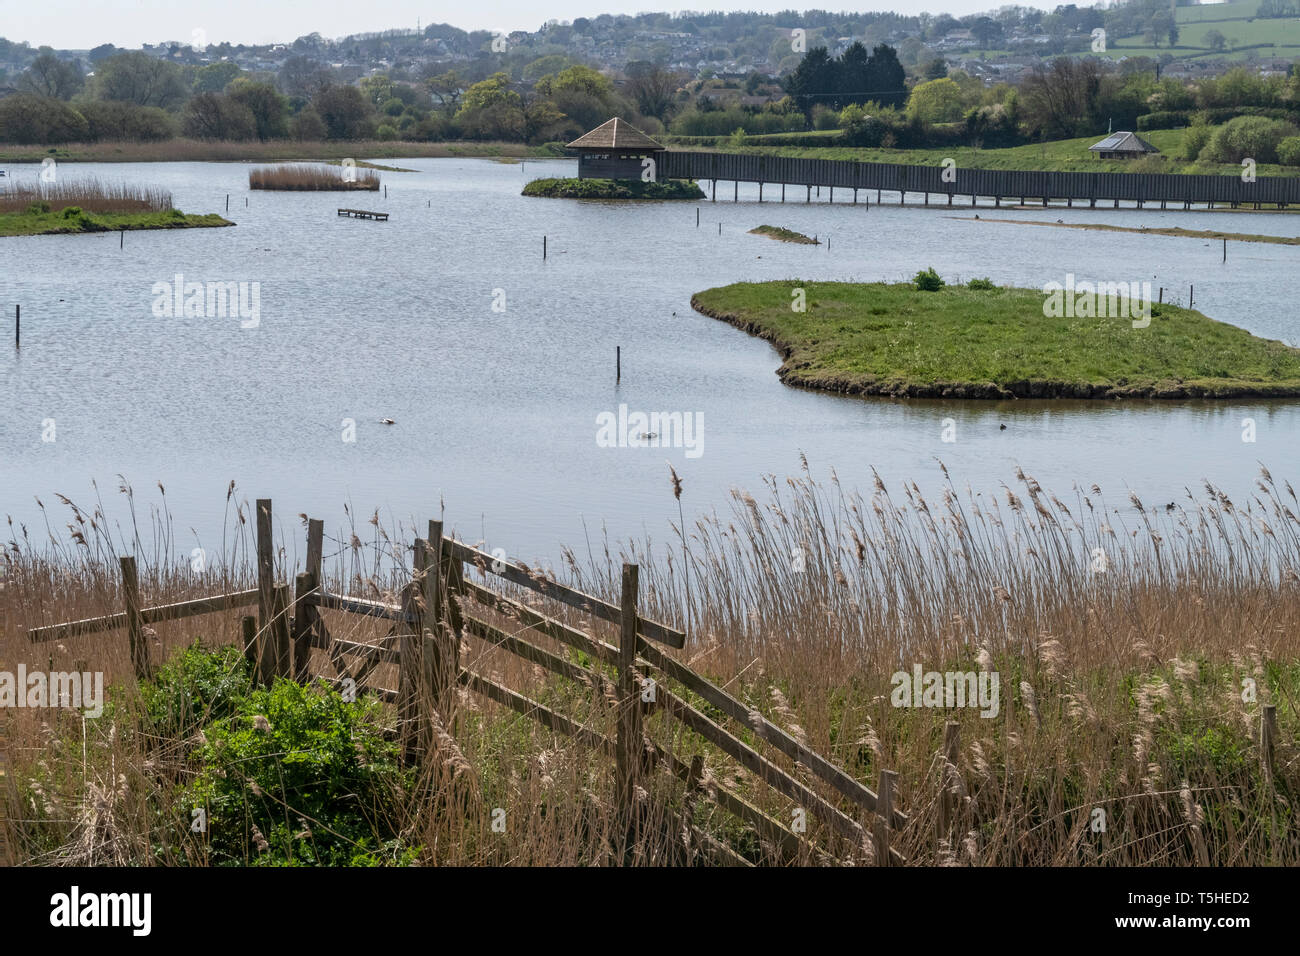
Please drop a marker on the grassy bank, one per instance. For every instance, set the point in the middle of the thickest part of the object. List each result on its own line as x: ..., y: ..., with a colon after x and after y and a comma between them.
x: 959, y: 342
x: 1121, y: 690
x: 613, y: 189
x: 1066, y: 155
x: 782, y: 234
x: 196, y: 151
x: 57, y: 223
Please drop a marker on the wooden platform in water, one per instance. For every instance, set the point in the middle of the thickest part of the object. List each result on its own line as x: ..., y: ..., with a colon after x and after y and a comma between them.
x: 364, y: 214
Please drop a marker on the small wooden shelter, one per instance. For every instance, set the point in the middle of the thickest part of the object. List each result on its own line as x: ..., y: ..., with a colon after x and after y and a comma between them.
x: 1122, y: 146
x: 614, y: 150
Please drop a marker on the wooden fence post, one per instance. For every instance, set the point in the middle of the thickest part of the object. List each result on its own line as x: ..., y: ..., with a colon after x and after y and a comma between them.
x: 306, y: 618
x: 410, y: 667
x: 884, y: 816
x: 948, y: 795
x: 4, y: 792
x: 304, y: 624
x: 1267, y: 736
x: 265, y: 587
x: 630, y: 748
x: 249, y: 635
x: 438, y: 676
x: 134, y: 625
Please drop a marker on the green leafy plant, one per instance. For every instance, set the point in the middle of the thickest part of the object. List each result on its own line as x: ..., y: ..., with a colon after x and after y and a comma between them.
x: 927, y: 280
x: 297, y: 776
x: 980, y: 284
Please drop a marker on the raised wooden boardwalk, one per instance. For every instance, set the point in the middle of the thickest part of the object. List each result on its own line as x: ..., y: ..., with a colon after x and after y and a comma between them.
x: 364, y: 214
x: 996, y: 184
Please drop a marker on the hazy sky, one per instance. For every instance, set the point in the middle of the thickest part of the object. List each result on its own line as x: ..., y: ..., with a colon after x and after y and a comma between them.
x: 81, y: 24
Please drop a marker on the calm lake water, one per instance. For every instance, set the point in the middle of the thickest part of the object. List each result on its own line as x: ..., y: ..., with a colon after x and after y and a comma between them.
x: 496, y: 410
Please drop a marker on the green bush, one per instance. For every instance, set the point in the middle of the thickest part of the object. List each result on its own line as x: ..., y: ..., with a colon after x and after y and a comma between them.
x: 38, y: 208
x: 197, y: 686
x: 1248, y: 137
x: 927, y: 280
x: 1194, y: 141
x: 982, y: 284
x: 73, y: 212
x: 297, y: 776
x: 386, y: 132
x: 1288, y: 151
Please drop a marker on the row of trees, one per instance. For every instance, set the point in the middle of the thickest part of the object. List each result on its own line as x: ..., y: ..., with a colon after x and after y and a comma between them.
x: 855, y: 76
x: 135, y: 96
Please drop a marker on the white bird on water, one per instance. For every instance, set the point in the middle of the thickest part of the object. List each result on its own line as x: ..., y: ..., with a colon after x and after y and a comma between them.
x: 387, y: 421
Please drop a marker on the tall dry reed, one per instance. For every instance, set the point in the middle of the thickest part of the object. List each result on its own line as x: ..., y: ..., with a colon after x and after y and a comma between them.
x: 1136, y: 645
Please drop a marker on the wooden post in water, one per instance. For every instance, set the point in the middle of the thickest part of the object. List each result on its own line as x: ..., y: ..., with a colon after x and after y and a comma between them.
x: 134, y: 623
x: 697, y: 217
x: 1191, y: 295
x: 18, y: 326
x: 121, y: 238
x: 1225, y: 250
x: 628, y: 747
x: 543, y: 248
x: 1161, y: 300
x: 618, y: 364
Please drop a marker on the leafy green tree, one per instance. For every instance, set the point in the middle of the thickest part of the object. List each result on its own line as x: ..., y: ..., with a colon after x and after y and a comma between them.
x: 141, y: 79
x: 935, y: 101
x: 49, y: 76
x: 216, y: 116
x: 27, y: 118
x: 269, y: 109
x: 346, y: 113
x: 215, y: 77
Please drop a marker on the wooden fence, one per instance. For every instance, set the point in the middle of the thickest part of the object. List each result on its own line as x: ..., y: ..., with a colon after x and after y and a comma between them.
x: 439, y: 608
x: 997, y: 184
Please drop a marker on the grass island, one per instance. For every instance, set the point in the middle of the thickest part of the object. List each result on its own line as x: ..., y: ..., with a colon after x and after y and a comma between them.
x: 43, y: 209
x: 987, y: 342
x: 613, y: 189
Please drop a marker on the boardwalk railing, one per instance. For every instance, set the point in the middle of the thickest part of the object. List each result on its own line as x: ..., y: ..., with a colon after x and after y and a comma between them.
x: 998, y: 184
x: 440, y: 609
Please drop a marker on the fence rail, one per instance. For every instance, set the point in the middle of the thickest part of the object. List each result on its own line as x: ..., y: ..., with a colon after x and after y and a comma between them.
x: 439, y: 609
x: 994, y: 183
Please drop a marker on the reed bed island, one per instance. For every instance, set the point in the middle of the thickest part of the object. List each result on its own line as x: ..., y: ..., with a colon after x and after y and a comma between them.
x: 303, y: 177
x: 37, y: 209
